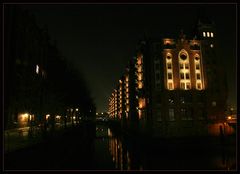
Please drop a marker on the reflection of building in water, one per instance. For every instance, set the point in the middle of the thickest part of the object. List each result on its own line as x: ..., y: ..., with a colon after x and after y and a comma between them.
x: 173, y: 86
x: 119, y: 153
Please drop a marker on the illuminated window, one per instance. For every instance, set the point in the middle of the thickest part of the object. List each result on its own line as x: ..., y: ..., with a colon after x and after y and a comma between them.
x: 139, y: 76
x: 182, y: 85
x: 169, y: 66
x: 168, y: 57
x: 211, y: 34
x: 188, y: 85
x: 170, y: 86
x: 186, y: 66
x: 140, y: 85
x: 199, y: 86
x: 197, y: 58
x: 181, y: 75
x: 198, y: 76
x: 208, y: 34
x: 169, y: 75
x: 139, y: 61
x: 197, y: 66
x: 183, y: 56
x: 204, y: 34
x: 171, y: 114
x: 181, y: 65
x: 187, y: 75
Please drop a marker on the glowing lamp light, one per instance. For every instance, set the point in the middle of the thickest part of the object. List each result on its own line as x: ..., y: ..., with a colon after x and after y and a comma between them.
x: 229, y: 118
x: 37, y: 69
x: 47, y: 116
x: 23, y: 117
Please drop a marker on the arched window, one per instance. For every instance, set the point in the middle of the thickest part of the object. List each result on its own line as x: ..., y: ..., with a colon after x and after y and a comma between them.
x: 184, y: 70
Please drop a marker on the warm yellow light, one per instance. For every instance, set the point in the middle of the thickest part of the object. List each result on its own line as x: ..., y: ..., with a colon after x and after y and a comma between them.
x: 140, y: 85
x: 76, y: 109
x: 139, y: 61
x: 139, y: 114
x: 31, y: 117
x: 47, y: 116
x: 229, y: 117
x: 23, y: 117
x: 141, y: 103
x: 167, y: 41
x: 139, y: 68
x: 96, y: 113
x: 127, y: 79
x: 58, y: 117
x: 127, y: 108
x: 139, y: 76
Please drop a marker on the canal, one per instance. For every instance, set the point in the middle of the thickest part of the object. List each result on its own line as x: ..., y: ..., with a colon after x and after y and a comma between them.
x: 81, y: 148
x: 117, y: 152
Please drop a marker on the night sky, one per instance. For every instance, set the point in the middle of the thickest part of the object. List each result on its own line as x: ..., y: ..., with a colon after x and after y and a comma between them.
x: 101, y: 38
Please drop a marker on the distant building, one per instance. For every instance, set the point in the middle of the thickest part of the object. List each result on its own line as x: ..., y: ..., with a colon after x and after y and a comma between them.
x: 173, y: 87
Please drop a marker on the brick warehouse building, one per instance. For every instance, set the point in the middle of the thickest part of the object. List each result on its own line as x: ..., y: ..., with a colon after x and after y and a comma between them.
x: 173, y: 87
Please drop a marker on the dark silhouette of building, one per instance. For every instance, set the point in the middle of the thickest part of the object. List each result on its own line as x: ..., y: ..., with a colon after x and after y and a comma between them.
x: 38, y: 82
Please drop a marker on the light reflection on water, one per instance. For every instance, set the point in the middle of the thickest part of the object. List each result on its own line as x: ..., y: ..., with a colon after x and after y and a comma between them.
x: 129, y: 157
x: 120, y: 155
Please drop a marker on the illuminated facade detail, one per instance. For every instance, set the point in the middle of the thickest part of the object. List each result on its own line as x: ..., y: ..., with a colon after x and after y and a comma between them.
x: 139, y: 71
x: 168, y: 84
x: 197, y: 62
x: 169, y: 72
x: 184, y: 70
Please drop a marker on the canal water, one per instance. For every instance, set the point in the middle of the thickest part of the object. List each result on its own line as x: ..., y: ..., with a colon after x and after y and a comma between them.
x: 117, y: 153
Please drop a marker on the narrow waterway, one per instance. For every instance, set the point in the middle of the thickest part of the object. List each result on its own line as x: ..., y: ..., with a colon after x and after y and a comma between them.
x: 81, y: 148
x: 118, y: 153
